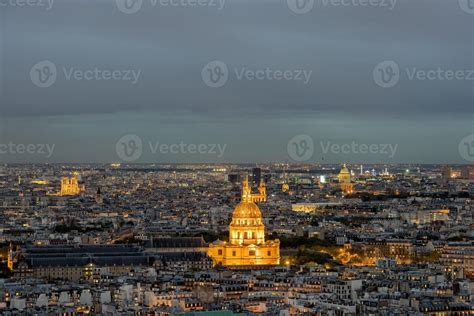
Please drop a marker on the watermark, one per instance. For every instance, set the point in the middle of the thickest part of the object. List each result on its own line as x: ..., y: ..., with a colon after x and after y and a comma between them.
x: 387, y: 74
x: 130, y: 148
x: 305, y: 6
x: 301, y: 148
x: 359, y: 148
x: 216, y: 74
x: 46, y: 4
x: 133, y: 6
x: 389, y: 4
x: 466, y: 148
x: 12, y: 148
x: 467, y: 6
x: 300, y: 6
x: 45, y: 74
x: 217, y: 150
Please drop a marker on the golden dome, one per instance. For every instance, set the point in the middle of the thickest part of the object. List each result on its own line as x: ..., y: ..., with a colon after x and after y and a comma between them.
x: 246, y: 210
x: 344, y: 170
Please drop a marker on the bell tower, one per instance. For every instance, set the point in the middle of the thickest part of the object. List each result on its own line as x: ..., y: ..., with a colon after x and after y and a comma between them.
x: 11, y: 256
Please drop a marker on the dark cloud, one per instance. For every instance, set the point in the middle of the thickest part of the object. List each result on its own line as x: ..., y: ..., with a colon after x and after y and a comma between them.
x: 170, y: 46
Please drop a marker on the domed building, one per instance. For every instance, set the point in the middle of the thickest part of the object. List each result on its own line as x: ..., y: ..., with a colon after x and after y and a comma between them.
x: 345, y: 180
x: 247, y: 245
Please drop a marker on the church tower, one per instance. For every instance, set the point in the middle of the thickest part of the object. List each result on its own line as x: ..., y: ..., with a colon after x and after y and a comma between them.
x: 247, y: 245
x: 70, y: 185
x: 11, y: 257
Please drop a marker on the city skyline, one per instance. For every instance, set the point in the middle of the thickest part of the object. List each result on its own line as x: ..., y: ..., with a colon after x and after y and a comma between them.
x: 237, y: 157
x: 209, y: 240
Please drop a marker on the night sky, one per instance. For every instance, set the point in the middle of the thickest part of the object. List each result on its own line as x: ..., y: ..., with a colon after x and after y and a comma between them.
x: 425, y: 112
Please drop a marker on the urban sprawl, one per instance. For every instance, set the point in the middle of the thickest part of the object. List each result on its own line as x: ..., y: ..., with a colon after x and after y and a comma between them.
x: 267, y: 239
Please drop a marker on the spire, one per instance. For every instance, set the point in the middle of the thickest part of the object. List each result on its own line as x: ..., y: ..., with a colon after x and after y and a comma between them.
x: 246, y: 191
x: 262, y: 186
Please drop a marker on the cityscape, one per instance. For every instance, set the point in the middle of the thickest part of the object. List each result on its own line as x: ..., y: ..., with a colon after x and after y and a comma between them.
x: 236, y: 239
x: 237, y: 157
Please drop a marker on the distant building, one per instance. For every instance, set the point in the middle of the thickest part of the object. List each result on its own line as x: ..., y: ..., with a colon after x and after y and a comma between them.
x: 85, y: 262
x: 447, y: 173
x: 423, y: 217
x: 467, y: 172
x: 459, y: 256
x: 386, y: 263
x: 233, y: 177
x: 70, y: 186
x: 345, y: 180
x: 99, y: 199
x: 304, y: 207
x: 175, y: 244
x: 256, y: 175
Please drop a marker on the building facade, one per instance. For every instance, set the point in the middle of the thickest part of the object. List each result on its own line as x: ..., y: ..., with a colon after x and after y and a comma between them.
x: 70, y: 186
x: 247, y: 245
x: 345, y: 180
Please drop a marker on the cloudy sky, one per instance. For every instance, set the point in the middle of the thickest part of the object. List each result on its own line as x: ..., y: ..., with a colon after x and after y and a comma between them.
x: 331, y: 76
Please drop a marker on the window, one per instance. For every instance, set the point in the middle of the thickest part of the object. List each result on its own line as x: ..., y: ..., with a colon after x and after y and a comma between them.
x: 234, y: 253
x: 251, y: 252
x: 269, y: 253
x: 219, y: 252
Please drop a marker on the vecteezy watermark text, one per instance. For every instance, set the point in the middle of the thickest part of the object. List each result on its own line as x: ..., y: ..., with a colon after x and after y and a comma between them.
x: 46, y: 4
x: 130, y: 148
x: 45, y: 74
x: 390, y: 4
x: 387, y: 74
x: 133, y: 6
x: 305, y: 6
x: 216, y: 74
x: 183, y: 148
x: 301, y: 148
x: 355, y: 148
x: 12, y: 148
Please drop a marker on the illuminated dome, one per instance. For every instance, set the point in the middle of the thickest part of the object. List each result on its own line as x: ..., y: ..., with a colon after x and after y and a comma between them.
x: 246, y: 210
x: 345, y: 180
x: 344, y: 170
x: 344, y: 174
x: 247, y: 245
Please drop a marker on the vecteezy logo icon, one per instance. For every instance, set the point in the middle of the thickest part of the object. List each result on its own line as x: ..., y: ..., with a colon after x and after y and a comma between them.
x: 43, y: 74
x: 300, y: 148
x: 467, y: 6
x: 466, y: 148
x: 129, y: 6
x: 215, y: 74
x: 386, y: 74
x: 300, y: 6
x: 129, y: 147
